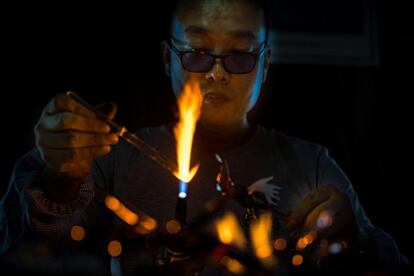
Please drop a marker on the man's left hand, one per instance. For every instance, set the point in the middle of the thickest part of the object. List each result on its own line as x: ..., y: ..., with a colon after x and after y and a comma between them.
x: 327, y: 211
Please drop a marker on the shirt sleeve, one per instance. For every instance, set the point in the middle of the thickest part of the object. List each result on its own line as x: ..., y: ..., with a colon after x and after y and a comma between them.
x: 329, y: 173
x: 25, y: 207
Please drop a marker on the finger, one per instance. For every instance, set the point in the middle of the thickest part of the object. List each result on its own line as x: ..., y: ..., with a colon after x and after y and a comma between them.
x: 65, y: 103
x: 108, y: 109
x: 65, y: 160
x: 70, y: 121
x: 260, y: 185
x: 268, y: 178
x: 312, y: 200
x: 276, y: 197
x: 76, y: 169
x: 75, y: 139
x: 274, y: 201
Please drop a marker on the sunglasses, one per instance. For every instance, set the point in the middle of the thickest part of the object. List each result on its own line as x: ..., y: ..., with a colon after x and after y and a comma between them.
x: 202, y: 62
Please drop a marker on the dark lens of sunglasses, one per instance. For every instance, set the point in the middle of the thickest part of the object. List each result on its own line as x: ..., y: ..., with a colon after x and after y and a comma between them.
x: 239, y: 63
x: 197, y: 62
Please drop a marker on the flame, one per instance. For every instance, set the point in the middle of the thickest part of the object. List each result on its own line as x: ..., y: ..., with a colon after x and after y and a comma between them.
x: 229, y: 231
x: 280, y: 244
x: 301, y: 244
x: 149, y: 224
x: 297, y: 260
x: 114, y: 248
x: 77, y: 233
x: 189, y: 106
x: 233, y: 265
x: 173, y: 226
x: 310, y: 237
x: 306, y: 240
x: 121, y: 210
x: 260, y: 235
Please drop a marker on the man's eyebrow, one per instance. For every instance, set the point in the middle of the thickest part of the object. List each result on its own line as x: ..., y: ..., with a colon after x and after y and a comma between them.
x: 196, y: 30
x: 239, y: 34
x: 243, y: 35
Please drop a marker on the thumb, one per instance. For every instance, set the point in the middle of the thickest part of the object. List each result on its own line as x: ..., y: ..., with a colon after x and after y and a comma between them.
x: 108, y: 109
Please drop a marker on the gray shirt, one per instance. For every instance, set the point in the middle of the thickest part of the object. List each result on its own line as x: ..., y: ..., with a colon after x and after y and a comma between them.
x: 296, y: 167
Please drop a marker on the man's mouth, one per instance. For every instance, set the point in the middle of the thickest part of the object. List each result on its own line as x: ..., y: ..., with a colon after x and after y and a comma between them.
x: 215, y: 97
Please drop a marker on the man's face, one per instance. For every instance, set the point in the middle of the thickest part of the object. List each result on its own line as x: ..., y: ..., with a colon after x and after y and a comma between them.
x: 220, y: 27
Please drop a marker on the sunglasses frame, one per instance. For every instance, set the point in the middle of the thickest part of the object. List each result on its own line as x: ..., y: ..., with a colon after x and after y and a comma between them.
x: 180, y: 54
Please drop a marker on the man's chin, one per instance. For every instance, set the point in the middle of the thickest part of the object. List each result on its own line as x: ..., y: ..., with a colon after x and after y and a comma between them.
x: 214, y: 122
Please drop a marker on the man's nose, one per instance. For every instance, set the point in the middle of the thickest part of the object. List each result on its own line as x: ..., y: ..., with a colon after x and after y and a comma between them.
x: 217, y: 73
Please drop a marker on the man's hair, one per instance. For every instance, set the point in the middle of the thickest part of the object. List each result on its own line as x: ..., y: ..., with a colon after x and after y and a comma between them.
x: 182, y: 5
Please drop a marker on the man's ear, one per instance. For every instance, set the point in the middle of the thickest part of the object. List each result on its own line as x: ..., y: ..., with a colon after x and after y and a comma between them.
x: 166, y: 57
x: 266, y: 64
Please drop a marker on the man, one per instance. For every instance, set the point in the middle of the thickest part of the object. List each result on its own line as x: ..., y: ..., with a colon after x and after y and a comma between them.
x: 223, y: 46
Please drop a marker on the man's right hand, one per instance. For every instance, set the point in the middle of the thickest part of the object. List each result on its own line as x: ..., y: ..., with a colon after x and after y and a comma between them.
x: 69, y: 136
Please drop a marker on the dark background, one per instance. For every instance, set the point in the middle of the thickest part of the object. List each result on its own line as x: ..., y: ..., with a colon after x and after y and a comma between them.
x: 361, y: 113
